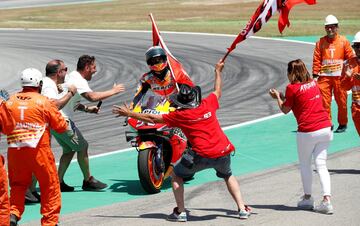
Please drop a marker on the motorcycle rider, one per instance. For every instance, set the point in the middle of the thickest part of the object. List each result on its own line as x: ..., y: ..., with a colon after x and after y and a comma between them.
x: 160, y: 80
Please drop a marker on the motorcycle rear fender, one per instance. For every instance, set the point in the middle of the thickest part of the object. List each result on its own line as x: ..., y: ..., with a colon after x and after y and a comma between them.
x: 146, y: 145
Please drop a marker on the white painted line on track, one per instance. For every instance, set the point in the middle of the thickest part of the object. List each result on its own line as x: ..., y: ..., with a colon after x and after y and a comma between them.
x: 164, y: 32
x: 54, y: 4
x: 253, y: 121
x: 224, y: 128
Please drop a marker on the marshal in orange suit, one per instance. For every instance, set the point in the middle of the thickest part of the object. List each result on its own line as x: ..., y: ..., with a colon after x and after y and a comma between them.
x: 29, y: 149
x: 7, y: 125
x: 350, y: 80
x: 329, y: 55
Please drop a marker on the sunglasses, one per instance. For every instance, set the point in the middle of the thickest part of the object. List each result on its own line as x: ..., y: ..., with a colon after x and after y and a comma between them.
x: 64, y: 69
x: 356, y: 46
x: 330, y: 26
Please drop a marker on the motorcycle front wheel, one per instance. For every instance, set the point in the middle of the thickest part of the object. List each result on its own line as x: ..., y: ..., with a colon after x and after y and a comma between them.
x: 151, y: 179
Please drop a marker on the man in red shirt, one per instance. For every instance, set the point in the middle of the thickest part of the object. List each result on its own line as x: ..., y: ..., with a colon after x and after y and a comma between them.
x: 210, y: 146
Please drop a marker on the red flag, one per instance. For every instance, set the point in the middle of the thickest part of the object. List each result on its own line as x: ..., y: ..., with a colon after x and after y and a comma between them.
x: 262, y: 15
x: 174, y: 65
x: 285, y: 9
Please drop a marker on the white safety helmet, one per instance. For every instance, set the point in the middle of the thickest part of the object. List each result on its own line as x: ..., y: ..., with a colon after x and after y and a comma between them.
x: 356, y: 37
x: 331, y: 19
x: 31, y: 77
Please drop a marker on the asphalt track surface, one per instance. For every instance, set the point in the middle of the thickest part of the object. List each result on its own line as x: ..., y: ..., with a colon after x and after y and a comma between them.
x: 250, y: 71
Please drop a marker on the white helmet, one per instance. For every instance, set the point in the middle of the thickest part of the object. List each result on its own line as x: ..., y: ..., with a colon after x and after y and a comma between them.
x: 356, y: 37
x: 331, y: 19
x: 31, y: 77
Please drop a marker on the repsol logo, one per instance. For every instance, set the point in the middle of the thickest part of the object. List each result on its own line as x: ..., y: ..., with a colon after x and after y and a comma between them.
x: 163, y: 87
x: 151, y: 111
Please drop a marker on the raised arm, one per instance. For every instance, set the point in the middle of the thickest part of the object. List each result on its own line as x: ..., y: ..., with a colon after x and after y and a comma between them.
x: 60, y: 103
x: 218, y: 81
x: 96, y: 96
x: 126, y: 112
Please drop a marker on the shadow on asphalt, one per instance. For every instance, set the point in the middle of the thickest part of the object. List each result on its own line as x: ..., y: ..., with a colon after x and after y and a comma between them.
x: 344, y: 171
x: 276, y: 207
x: 189, y: 217
x: 132, y: 187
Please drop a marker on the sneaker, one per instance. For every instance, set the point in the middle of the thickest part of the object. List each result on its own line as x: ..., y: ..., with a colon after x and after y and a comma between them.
x: 325, y: 207
x: 31, y: 198
x: 341, y: 129
x: 13, y: 220
x: 244, y: 214
x: 93, y: 185
x: 36, y: 195
x: 177, y: 216
x: 66, y: 188
x: 306, y: 204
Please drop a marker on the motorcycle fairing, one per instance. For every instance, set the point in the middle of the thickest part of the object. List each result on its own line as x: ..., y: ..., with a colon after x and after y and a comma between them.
x: 146, y: 144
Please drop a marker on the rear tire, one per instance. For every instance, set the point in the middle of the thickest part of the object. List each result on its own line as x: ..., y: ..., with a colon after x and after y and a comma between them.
x: 150, y: 179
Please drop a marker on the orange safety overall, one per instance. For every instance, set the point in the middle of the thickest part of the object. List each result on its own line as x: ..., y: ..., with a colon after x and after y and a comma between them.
x: 329, y: 56
x: 353, y: 83
x: 7, y: 124
x: 29, y: 153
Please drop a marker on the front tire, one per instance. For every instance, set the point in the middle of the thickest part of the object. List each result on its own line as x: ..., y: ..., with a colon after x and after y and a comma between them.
x: 151, y: 180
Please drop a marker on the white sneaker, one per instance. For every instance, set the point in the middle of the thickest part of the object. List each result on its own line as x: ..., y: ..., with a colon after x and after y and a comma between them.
x: 245, y: 214
x: 176, y: 216
x: 306, y: 204
x: 325, y: 207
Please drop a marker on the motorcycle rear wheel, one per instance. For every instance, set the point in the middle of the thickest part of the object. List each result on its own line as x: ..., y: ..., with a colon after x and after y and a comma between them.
x: 150, y: 179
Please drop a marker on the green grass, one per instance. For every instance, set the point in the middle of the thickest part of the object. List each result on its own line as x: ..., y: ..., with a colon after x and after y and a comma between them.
x: 227, y: 17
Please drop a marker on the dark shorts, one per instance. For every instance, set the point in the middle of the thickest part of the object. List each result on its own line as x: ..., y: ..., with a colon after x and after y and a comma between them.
x: 221, y: 165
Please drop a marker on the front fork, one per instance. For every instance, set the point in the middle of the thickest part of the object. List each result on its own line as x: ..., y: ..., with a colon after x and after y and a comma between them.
x: 158, y: 155
x: 159, y: 161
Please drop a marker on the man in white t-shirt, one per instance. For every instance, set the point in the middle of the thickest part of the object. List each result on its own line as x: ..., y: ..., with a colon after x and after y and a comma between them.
x: 55, y: 75
x: 73, y: 141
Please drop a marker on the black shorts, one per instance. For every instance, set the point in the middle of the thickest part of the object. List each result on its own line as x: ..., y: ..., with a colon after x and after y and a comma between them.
x: 221, y: 166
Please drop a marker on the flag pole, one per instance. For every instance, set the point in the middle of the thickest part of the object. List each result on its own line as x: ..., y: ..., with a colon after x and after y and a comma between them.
x: 162, y: 44
x: 226, y: 55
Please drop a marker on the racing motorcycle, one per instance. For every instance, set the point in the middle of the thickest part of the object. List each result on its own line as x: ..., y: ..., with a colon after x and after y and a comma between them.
x: 154, y: 143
